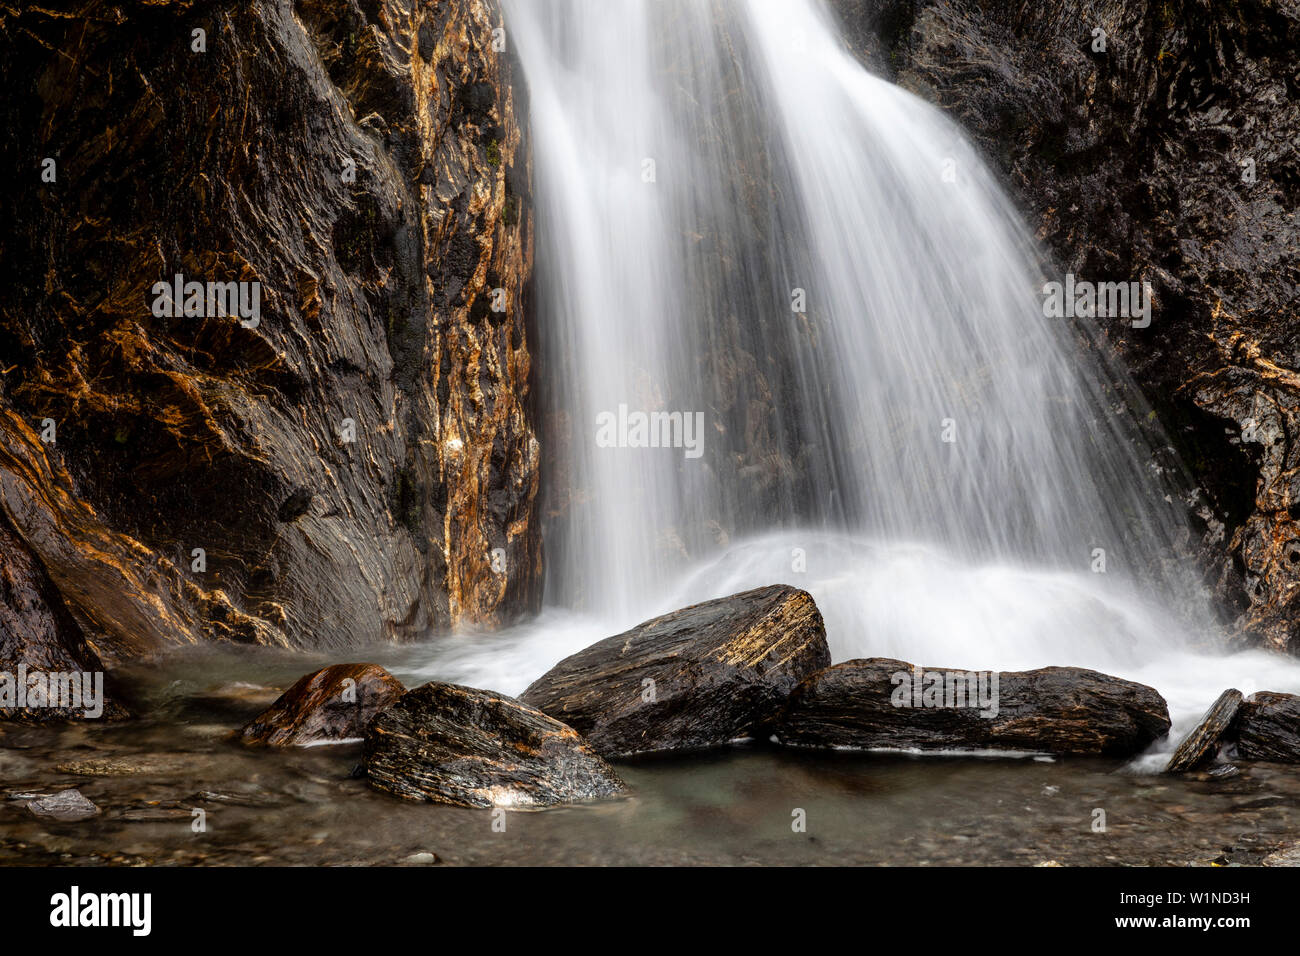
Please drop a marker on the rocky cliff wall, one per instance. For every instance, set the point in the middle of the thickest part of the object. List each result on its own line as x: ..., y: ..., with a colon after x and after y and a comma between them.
x: 352, y: 460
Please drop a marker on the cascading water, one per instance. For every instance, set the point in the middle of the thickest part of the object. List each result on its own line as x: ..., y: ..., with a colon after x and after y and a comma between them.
x: 737, y: 220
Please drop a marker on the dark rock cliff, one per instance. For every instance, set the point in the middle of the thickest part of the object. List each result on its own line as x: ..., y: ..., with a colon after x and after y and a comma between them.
x: 1173, y: 155
x: 356, y: 464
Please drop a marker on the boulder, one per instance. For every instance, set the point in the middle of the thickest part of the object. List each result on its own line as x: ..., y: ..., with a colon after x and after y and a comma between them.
x: 335, y: 703
x: 1268, y: 727
x: 880, y: 703
x: 445, y: 743
x: 1203, y: 742
x: 695, y: 678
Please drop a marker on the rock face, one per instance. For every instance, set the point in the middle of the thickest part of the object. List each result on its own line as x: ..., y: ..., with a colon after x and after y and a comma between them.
x: 1166, y: 156
x: 444, y: 743
x: 334, y: 703
x: 1203, y: 742
x: 694, y: 678
x: 884, y: 703
x: 1268, y: 727
x: 349, y: 462
x: 36, y: 630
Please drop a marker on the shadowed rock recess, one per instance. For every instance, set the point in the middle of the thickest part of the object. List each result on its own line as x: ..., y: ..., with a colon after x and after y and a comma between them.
x: 1169, y: 156
x: 356, y: 465
x: 445, y: 743
x: 695, y: 678
x: 1063, y: 710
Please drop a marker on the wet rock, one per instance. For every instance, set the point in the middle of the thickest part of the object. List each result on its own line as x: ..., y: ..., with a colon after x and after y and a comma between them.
x: 695, y: 678
x: 422, y: 859
x: 1224, y: 771
x: 881, y: 703
x: 1203, y: 742
x: 65, y: 806
x: 315, y: 455
x: 445, y: 743
x: 251, y: 796
x: 1285, y: 856
x: 134, y: 764
x: 332, y: 704
x: 1268, y: 728
x: 156, y: 814
x: 39, y: 639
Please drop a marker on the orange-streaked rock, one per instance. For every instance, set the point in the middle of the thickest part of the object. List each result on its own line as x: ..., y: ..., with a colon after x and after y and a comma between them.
x: 335, y: 703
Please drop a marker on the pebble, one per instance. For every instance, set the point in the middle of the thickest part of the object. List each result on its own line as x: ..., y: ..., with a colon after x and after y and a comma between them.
x: 66, y: 805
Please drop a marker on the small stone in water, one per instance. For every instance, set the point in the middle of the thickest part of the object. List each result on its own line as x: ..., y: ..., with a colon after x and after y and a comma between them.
x: 66, y: 805
x: 422, y: 858
x: 156, y: 814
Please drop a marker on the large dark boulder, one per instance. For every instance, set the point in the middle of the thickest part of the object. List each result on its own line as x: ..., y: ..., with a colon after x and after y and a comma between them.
x: 878, y: 703
x: 695, y: 678
x: 1268, y: 727
x: 334, y: 703
x: 444, y: 743
x: 1203, y: 742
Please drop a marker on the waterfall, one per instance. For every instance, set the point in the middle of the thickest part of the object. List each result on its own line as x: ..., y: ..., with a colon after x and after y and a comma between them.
x: 742, y: 228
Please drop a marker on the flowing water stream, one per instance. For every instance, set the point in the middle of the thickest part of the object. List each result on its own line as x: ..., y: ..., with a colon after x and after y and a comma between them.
x: 739, y: 224
x: 736, y: 219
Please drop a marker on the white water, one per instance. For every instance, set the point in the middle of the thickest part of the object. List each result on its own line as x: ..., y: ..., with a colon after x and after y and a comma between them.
x: 780, y: 163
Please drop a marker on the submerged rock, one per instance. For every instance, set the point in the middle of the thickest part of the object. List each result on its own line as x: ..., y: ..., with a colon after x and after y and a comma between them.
x: 334, y: 703
x: 1268, y: 727
x: 445, y: 743
x: 695, y: 678
x: 884, y: 703
x: 1202, y: 743
x: 66, y: 806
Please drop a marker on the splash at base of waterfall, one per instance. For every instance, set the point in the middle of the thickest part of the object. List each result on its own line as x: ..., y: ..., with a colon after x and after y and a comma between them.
x: 915, y: 603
